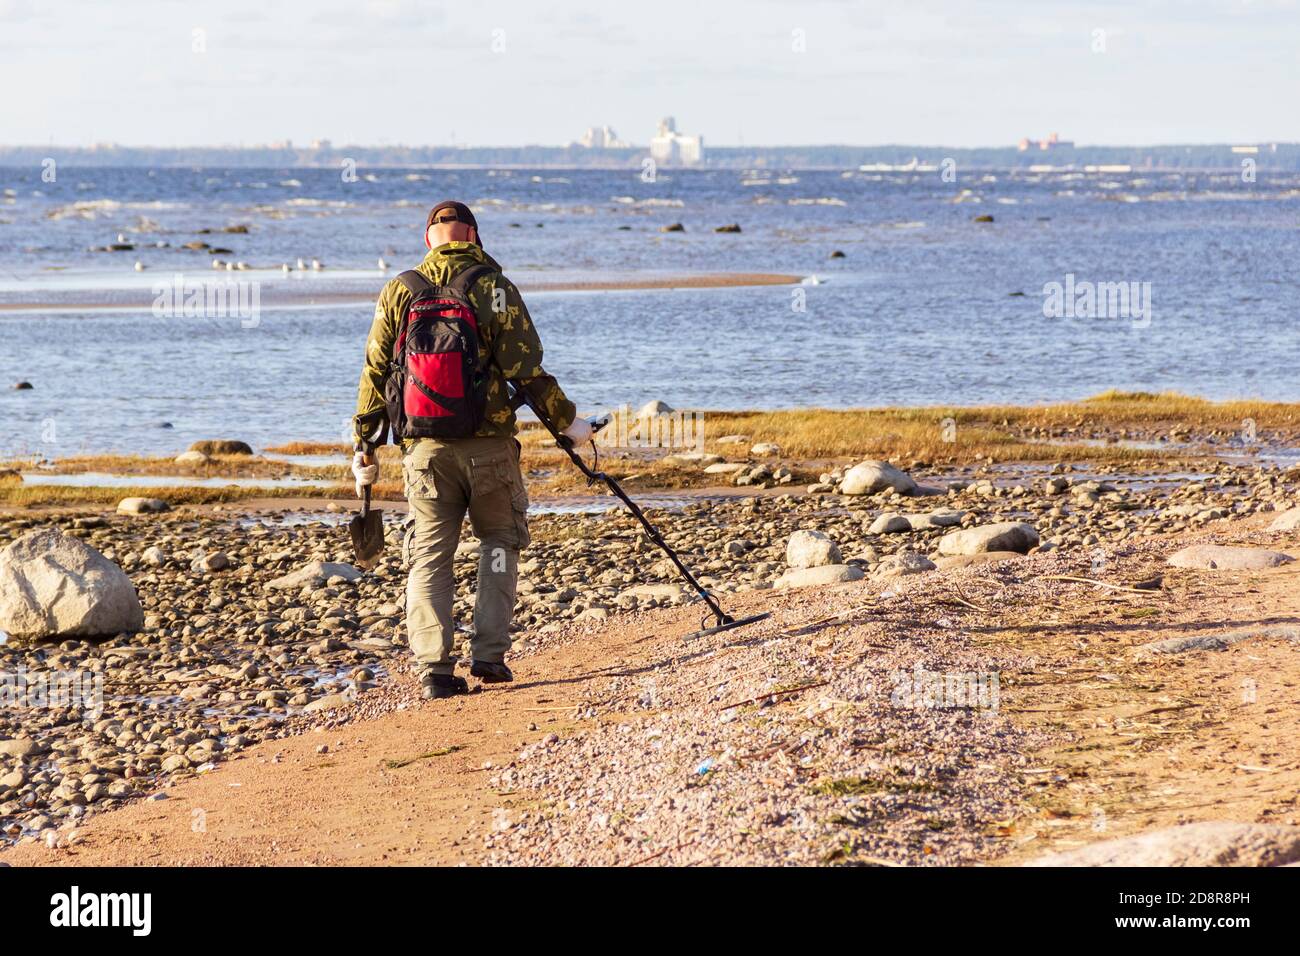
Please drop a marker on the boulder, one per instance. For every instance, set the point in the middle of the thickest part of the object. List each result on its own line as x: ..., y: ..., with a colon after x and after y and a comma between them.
x: 1195, y: 844
x: 221, y: 446
x: 212, y: 561
x: 314, y: 575
x: 824, y: 574
x: 53, y: 584
x: 948, y: 562
x: 1217, y: 557
x: 192, y: 458
x: 901, y: 564
x: 1288, y: 520
x: 726, y: 468
x: 328, y: 702
x: 890, y: 523
x: 871, y: 476
x: 20, y: 747
x: 154, y: 556
x: 142, y: 506
x: 654, y: 592
x: 1004, y: 536
x: 935, y: 519
x: 811, y: 549
x: 690, y: 459
x: 765, y: 449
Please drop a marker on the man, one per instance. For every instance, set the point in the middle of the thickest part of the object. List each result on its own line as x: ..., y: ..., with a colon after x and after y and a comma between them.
x: 479, y: 474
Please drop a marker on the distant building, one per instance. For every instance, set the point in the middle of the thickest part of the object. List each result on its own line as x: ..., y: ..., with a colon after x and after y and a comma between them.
x: 671, y: 148
x: 1053, y: 141
x: 602, y: 138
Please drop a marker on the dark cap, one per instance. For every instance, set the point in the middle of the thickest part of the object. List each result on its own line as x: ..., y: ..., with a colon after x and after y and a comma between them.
x: 460, y: 210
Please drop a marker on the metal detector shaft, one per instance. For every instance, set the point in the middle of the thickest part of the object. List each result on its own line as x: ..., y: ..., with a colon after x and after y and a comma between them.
x: 521, y: 397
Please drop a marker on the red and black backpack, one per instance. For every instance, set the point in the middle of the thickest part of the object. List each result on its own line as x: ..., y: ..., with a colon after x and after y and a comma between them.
x: 436, y: 387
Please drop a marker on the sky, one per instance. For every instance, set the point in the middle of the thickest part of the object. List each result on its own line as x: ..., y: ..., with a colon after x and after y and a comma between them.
x: 739, y: 72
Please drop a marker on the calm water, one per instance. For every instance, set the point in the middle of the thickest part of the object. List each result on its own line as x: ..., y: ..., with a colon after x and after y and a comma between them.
x: 921, y: 309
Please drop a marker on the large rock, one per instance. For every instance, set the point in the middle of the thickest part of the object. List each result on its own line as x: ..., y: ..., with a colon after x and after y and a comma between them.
x: 872, y: 476
x: 811, y: 549
x: 1288, y: 520
x: 52, y: 584
x: 1218, y: 557
x: 1196, y: 844
x: 314, y: 575
x: 141, y: 506
x: 1004, y: 536
x: 192, y: 458
x: 221, y: 446
x: 948, y: 562
x: 825, y: 574
x: 654, y: 592
x: 902, y: 564
x: 890, y: 523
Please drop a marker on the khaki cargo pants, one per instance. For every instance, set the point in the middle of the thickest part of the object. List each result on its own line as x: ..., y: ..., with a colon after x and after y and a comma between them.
x: 444, y: 480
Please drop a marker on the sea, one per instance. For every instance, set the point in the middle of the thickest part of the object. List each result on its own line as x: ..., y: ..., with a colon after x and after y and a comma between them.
x: 920, y: 287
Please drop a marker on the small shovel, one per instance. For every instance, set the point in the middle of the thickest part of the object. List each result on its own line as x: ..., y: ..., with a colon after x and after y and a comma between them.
x: 367, y: 530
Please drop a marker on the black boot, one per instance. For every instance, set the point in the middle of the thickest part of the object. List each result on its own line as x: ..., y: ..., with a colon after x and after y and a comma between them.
x: 437, y: 686
x: 491, y: 673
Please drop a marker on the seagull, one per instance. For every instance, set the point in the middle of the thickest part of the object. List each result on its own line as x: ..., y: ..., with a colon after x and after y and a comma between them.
x: 315, y: 265
x: 301, y: 265
x: 217, y: 263
x: 139, y: 266
x: 383, y: 266
x: 284, y: 267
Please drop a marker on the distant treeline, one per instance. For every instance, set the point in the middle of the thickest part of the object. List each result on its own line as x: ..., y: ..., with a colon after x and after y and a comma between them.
x: 1280, y: 156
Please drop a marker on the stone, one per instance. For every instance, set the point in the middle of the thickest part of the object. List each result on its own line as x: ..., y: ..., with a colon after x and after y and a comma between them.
x: 1194, y: 844
x: 890, y: 523
x: 904, y: 563
x: 948, y: 562
x: 314, y: 575
x: 729, y: 227
x: 765, y: 449
x: 328, y: 702
x: 212, y: 561
x: 657, y: 592
x: 811, y: 549
x: 673, y: 227
x: 20, y: 747
x: 690, y: 459
x: 154, y: 556
x: 726, y: 468
x: 1015, y: 536
x: 1217, y: 557
x: 1220, y: 641
x: 222, y: 446
x: 823, y: 574
x: 22, y: 386
x: 869, y: 477
x: 1288, y: 520
x: 733, y: 440
x: 935, y: 519
x: 141, y: 506
x: 192, y: 458
x: 53, y: 584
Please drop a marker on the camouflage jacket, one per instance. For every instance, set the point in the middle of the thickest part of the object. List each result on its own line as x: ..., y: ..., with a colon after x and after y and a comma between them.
x: 506, y: 334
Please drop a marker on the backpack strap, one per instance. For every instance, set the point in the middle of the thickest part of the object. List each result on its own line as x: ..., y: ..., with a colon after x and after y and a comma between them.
x: 414, y: 282
x: 464, y: 281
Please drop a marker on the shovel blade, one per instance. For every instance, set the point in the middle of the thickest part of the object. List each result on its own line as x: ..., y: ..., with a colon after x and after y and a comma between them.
x: 367, y: 532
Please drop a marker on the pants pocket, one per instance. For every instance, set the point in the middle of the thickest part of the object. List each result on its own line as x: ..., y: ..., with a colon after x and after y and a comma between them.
x: 519, y: 508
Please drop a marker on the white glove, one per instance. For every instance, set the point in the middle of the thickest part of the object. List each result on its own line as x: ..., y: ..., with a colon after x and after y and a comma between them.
x: 579, y: 432
x: 365, y: 474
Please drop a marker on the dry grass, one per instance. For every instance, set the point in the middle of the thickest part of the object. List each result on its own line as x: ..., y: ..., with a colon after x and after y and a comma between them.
x: 809, y: 439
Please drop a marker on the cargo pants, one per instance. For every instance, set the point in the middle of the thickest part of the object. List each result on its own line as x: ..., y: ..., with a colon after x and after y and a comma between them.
x: 444, y: 481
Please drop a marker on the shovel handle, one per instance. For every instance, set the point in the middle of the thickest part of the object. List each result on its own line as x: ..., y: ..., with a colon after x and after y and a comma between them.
x: 365, y: 501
